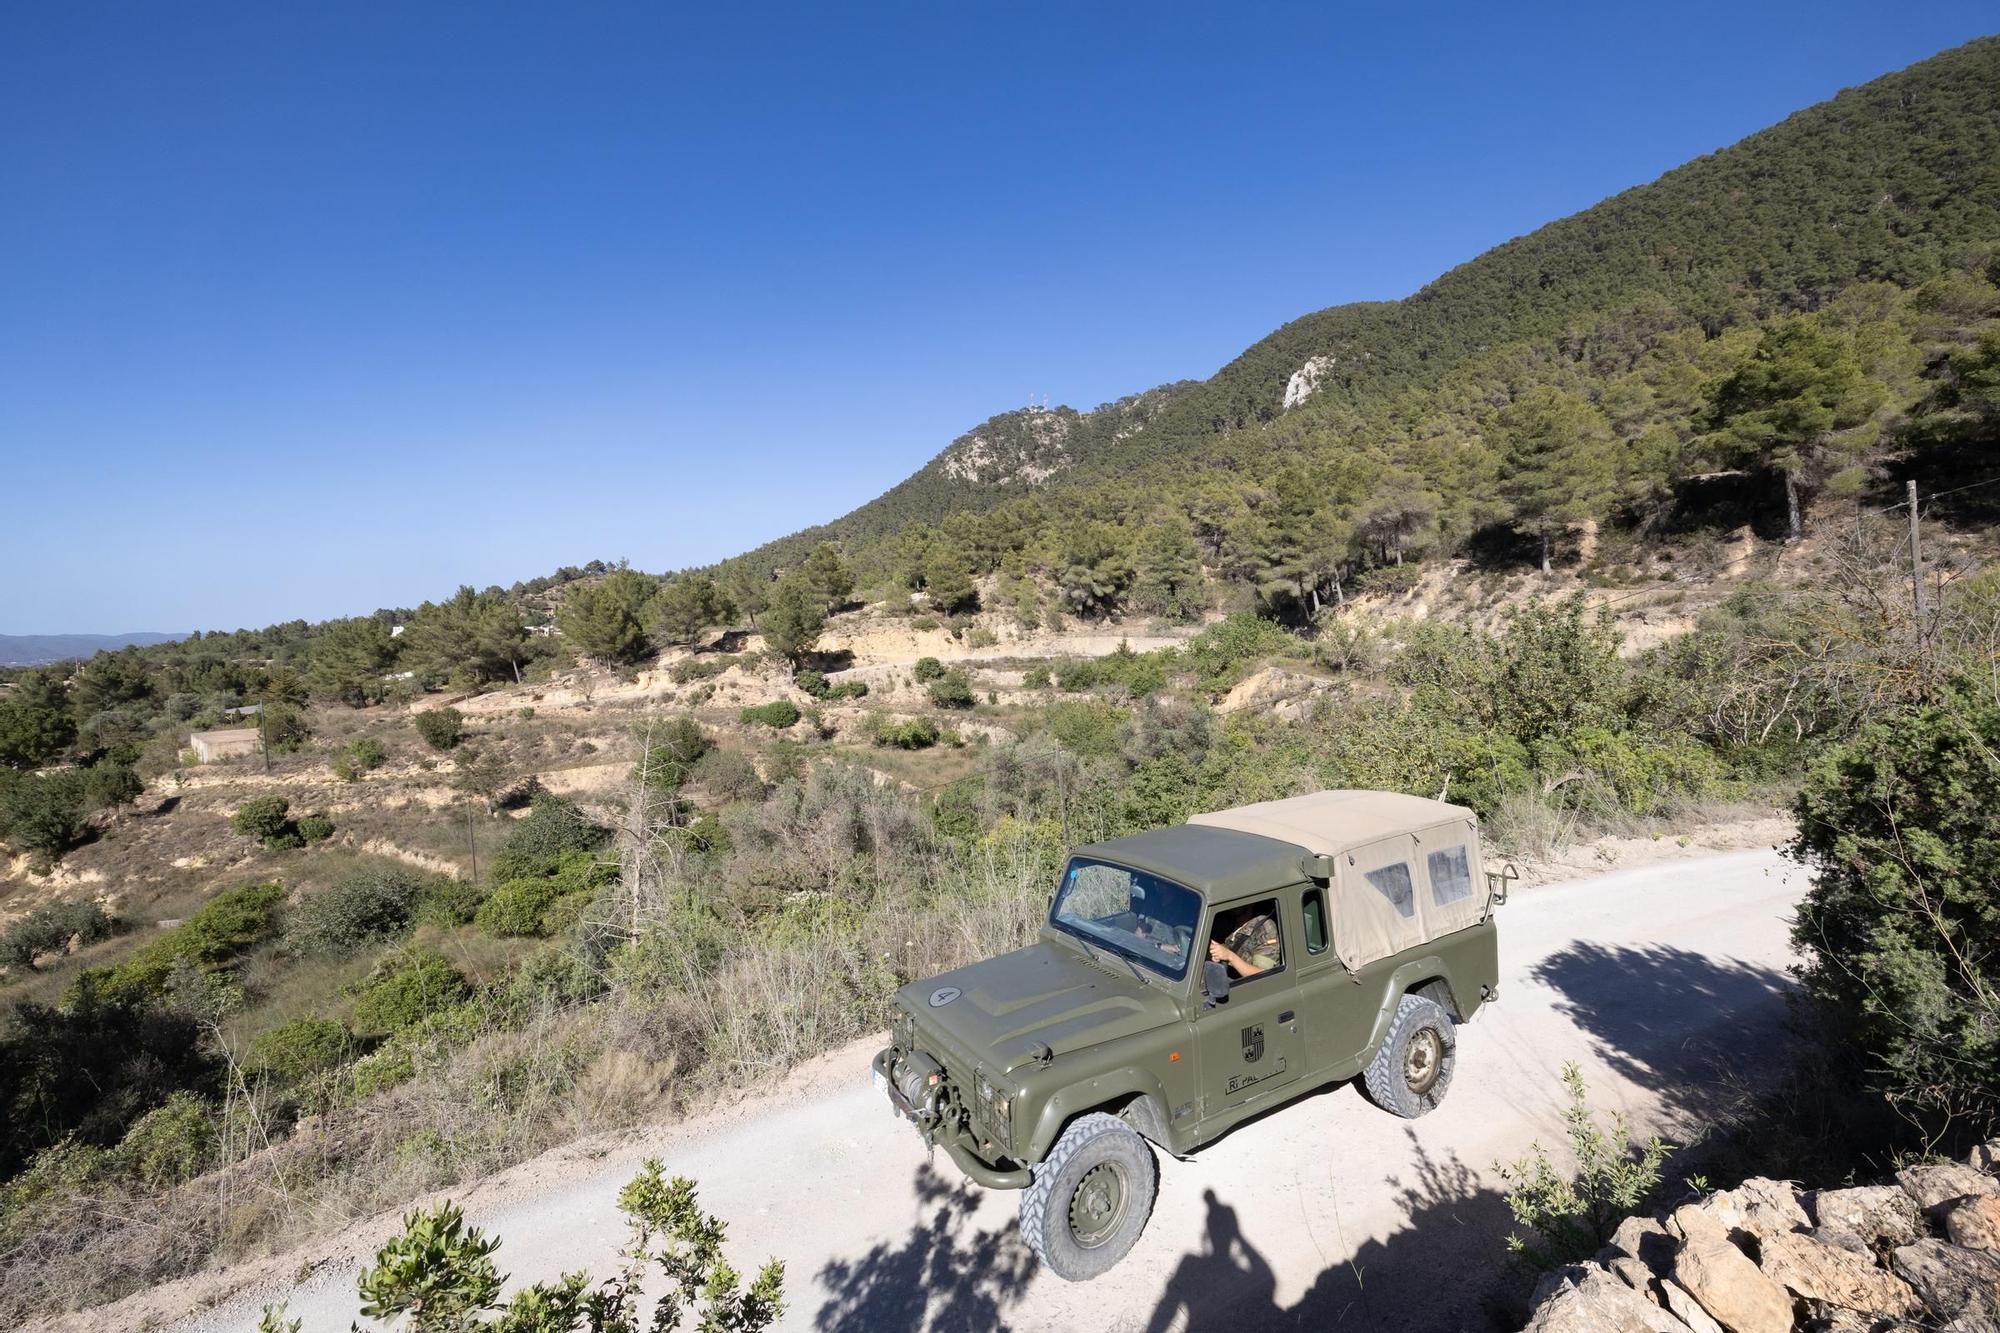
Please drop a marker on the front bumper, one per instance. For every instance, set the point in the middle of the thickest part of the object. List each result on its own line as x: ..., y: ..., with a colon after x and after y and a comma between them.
x: 932, y: 1128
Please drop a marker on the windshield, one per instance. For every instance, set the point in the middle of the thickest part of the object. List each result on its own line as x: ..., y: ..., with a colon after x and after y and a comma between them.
x: 1141, y: 916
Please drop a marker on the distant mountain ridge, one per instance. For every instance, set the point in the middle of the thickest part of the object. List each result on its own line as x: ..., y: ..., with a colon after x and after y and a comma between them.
x: 1895, y: 182
x: 41, y: 649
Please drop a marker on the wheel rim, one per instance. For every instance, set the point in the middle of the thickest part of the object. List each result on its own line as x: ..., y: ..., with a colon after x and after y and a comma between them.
x: 1424, y: 1059
x: 1098, y: 1205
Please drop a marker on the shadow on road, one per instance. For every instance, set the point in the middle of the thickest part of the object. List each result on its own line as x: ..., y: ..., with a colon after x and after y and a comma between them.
x: 1682, y: 1024
x: 945, y: 1276
x: 1439, y: 1270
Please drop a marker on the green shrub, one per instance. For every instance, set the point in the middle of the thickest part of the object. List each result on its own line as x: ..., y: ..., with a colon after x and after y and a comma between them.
x: 730, y: 776
x: 1086, y: 727
x: 815, y: 684
x: 516, y: 906
x: 924, y: 623
x: 441, y: 1272
x: 51, y: 928
x: 692, y: 669
x: 264, y: 817
x: 45, y: 813
x: 1900, y: 828
x: 448, y: 903
x: 441, y: 728
x: 951, y: 690
x: 356, y: 912
x: 1223, y: 653
x: 670, y: 751
x: 779, y: 713
x: 917, y: 733
x: 405, y: 988
x: 1036, y: 677
x: 1570, y: 1218
x: 528, y: 905
x: 553, y: 826
x: 927, y: 669
x: 108, y: 784
x: 174, y: 1142
x: 299, y: 1049
x: 315, y: 828
x: 226, y: 927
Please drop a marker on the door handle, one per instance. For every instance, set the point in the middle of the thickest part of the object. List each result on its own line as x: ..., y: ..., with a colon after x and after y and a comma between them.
x: 1285, y: 1017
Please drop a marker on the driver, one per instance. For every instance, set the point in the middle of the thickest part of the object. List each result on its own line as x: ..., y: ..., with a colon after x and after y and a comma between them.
x: 1251, y: 946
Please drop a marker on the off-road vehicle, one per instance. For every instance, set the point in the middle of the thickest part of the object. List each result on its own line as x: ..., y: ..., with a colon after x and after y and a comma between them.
x: 1188, y: 978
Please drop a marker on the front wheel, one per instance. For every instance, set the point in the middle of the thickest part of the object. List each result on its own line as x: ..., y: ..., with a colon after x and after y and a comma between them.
x: 1090, y: 1199
x: 1412, y: 1070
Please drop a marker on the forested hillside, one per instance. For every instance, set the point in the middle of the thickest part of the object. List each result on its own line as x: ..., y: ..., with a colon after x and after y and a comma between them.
x: 517, y: 864
x: 1845, y: 257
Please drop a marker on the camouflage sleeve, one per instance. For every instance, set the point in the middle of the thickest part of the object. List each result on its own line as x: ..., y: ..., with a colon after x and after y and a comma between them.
x: 1256, y: 943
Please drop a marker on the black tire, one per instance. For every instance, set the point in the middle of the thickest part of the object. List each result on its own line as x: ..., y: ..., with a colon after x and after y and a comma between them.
x: 1412, y: 1071
x: 1079, y: 1232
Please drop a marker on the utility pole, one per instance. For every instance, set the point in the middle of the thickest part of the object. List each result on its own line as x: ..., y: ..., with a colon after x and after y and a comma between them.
x: 1917, y: 596
x: 1916, y: 561
x: 471, y: 843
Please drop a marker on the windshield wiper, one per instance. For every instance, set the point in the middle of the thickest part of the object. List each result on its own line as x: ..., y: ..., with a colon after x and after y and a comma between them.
x: 1094, y: 949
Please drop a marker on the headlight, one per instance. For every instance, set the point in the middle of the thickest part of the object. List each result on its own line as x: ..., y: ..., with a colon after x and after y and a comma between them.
x: 998, y: 1103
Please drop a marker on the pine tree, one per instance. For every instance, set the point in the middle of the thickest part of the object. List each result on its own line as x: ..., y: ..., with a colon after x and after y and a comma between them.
x: 794, y: 619
x: 1803, y: 406
x: 35, y: 722
x: 948, y: 578
x: 1558, y: 463
x: 349, y: 659
x: 685, y: 609
x: 601, y: 620
x: 1169, y: 579
x: 827, y: 574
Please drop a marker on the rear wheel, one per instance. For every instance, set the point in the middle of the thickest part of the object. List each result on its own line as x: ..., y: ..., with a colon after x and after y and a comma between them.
x: 1411, y: 1072
x: 1090, y: 1199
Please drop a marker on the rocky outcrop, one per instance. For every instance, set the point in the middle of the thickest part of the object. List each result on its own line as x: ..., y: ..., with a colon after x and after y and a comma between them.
x: 1923, y: 1253
x: 1305, y: 381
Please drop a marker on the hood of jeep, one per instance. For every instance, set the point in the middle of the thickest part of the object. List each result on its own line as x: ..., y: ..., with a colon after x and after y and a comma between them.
x: 1044, y: 993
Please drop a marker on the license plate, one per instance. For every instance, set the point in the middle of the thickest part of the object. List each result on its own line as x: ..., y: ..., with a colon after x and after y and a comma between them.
x: 881, y: 1083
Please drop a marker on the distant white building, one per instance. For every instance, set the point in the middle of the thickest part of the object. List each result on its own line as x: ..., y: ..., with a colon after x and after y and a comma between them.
x: 227, y: 743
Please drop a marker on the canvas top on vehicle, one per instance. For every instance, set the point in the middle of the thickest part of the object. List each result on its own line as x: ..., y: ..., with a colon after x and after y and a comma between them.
x: 1405, y: 868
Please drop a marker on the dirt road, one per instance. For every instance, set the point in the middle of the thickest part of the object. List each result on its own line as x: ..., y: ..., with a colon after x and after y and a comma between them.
x: 1327, y: 1214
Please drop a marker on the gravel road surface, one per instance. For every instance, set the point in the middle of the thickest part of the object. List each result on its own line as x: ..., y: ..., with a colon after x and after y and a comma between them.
x: 1327, y: 1213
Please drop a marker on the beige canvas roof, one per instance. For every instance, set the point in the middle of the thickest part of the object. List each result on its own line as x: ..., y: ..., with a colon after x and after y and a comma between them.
x: 1330, y: 822
x: 1406, y: 869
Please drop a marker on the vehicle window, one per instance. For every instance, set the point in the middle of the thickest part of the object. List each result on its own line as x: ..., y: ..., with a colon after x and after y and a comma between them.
x: 1142, y: 916
x: 1246, y: 939
x: 1451, y: 875
x: 1315, y: 915
x: 1393, y: 883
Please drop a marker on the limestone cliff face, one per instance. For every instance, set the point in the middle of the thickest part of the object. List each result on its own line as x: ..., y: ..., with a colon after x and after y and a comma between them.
x: 1024, y: 447
x: 1305, y: 381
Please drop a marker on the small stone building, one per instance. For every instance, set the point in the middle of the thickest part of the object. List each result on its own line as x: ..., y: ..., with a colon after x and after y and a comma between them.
x: 228, y: 743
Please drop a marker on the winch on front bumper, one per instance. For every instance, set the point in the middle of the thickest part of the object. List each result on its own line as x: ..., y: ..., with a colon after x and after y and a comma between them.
x: 922, y: 1093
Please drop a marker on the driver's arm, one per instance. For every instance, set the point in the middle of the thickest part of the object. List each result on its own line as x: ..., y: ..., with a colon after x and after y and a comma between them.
x: 1222, y: 953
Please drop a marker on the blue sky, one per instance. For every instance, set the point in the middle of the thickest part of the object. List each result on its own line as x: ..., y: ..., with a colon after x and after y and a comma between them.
x: 309, y: 309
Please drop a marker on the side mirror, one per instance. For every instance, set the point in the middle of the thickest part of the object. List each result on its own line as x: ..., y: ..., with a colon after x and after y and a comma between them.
x: 1317, y: 867
x: 1215, y: 981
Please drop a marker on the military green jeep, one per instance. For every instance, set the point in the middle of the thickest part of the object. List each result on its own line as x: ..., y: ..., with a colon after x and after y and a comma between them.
x: 1189, y: 978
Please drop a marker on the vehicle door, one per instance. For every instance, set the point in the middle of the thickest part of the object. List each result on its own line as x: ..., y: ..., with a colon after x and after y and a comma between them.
x: 1248, y: 1043
x: 1324, y: 986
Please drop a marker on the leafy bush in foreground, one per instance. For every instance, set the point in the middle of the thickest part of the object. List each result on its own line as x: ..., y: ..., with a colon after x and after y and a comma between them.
x: 1900, y: 827
x: 406, y: 988
x: 1571, y: 1218
x: 440, y: 1274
